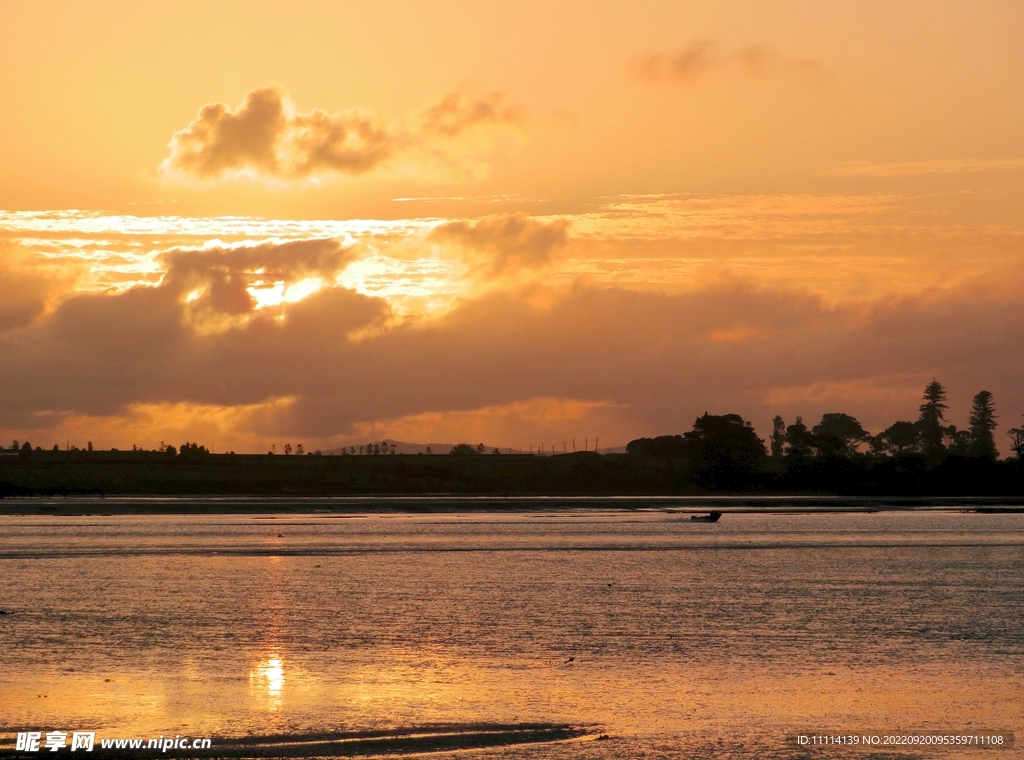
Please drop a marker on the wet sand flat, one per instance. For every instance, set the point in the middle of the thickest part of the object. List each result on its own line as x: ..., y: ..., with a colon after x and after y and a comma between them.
x: 527, y: 635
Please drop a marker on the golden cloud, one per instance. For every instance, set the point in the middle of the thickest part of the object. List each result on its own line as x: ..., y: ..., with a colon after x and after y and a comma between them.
x: 23, y: 290
x: 265, y: 137
x: 506, y: 243
x: 462, y: 110
x: 652, y: 361
x: 223, y: 287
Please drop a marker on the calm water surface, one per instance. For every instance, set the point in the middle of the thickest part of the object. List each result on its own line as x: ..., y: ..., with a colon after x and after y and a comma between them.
x: 688, y: 639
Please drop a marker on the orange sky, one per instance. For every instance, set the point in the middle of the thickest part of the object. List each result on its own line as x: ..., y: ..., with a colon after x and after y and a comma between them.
x: 513, y: 223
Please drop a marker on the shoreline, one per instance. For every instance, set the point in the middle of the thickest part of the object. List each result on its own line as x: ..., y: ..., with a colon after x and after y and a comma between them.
x: 458, y: 504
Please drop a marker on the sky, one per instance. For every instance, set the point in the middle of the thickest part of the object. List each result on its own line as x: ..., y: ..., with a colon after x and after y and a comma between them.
x: 516, y: 223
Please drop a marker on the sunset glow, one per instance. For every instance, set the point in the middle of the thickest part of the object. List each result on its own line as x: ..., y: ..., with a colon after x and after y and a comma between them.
x: 358, y: 220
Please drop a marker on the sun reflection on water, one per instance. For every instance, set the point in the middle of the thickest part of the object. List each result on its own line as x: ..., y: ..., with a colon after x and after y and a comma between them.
x: 266, y: 681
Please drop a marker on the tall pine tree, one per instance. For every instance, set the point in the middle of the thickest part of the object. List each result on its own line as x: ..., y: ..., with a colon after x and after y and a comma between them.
x: 983, y: 422
x: 931, y: 419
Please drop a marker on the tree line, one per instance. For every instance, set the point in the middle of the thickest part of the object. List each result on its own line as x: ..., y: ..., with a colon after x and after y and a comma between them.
x: 729, y: 438
x: 840, y: 434
x: 926, y: 455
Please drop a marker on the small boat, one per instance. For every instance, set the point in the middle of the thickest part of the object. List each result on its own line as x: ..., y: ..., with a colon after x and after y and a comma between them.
x: 713, y: 517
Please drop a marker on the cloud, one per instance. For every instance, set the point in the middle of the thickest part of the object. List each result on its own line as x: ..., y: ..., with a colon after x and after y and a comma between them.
x: 269, y: 261
x: 266, y: 137
x: 832, y: 244
x: 222, y: 140
x: 23, y: 292
x: 223, y: 287
x: 692, y: 63
x: 462, y: 110
x: 506, y: 243
x: 631, y: 362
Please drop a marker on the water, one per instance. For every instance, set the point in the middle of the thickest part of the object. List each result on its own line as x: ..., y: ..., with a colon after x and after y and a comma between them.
x: 687, y: 639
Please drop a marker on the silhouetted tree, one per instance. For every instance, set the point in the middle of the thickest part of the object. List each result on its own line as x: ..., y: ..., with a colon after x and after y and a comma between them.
x: 930, y: 425
x: 838, y: 433
x: 798, y: 439
x: 430, y: 449
x: 299, y: 450
x: 983, y: 422
x: 90, y: 446
x: 899, y: 438
x: 778, y: 439
x: 724, y: 450
x: 170, y: 451
x: 464, y: 448
x: 1017, y: 438
x: 193, y: 451
x: 958, y: 442
x: 287, y: 449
